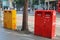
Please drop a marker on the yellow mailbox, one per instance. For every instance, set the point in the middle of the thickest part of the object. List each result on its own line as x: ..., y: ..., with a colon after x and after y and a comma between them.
x: 10, y: 19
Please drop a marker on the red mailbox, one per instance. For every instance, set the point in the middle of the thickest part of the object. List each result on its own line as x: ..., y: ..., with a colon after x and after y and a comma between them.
x: 45, y: 22
x: 58, y: 6
x: 58, y: 0
x: 38, y: 21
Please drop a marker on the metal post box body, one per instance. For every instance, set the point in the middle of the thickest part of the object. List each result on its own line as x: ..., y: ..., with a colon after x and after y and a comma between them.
x: 38, y: 24
x: 45, y: 26
x: 10, y: 19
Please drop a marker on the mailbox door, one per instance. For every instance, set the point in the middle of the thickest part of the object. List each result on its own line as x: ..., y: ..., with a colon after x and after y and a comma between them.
x: 38, y: 22
x: 48, y: 24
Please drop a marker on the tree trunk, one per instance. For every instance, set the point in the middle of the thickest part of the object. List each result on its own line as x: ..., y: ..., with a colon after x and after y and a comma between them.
x: 25, y: 17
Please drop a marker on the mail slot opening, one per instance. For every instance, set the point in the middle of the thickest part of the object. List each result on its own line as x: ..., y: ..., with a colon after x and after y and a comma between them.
x: 9, y: 11
x: 5, y: 11
x: 48, y: 13
x: 39, y: 14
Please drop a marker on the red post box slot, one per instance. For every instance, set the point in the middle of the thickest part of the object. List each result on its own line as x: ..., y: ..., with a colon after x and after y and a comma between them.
x: 39, y: 14
x: 47, y: 14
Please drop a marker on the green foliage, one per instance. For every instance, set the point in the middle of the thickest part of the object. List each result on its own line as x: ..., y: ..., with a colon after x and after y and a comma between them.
x: 36, y: 2
x: 21, y: 2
